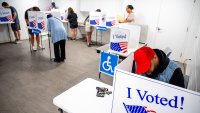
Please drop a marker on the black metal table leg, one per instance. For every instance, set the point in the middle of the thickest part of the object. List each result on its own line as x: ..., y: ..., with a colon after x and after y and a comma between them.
x: 61, y: 111
x: 99, y: 75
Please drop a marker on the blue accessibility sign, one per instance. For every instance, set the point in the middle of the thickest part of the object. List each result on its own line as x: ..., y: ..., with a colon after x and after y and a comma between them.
x: 108, y: 62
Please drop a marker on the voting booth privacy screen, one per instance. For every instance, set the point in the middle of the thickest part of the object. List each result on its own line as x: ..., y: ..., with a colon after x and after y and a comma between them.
x: 119, y: 40
x: 137, y: 94
x: 5, y: 15
x: 37, y: 20
x: 124, y: 39
x: 102, y: 19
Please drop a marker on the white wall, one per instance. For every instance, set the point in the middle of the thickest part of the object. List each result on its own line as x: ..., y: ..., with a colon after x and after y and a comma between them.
x: 194, y: 83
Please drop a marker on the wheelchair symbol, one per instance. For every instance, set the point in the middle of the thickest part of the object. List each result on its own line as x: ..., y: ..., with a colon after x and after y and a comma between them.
x: 108, y: 65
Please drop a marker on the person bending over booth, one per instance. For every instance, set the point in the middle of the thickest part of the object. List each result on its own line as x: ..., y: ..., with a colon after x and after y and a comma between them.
x: 16, y: 25
x: 30, y: 31
x: 58, y: 36
x: 130, y: 17
x: 154, y: 63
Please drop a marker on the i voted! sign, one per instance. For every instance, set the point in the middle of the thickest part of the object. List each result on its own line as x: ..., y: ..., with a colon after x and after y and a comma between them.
x: 41, y: 20
x: 5, y: 15
x: 119, y: 40
x: 137, y: 94
x: 32, y: 17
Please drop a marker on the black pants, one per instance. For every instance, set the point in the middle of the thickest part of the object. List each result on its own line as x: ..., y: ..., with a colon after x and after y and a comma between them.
x: 59, y: 50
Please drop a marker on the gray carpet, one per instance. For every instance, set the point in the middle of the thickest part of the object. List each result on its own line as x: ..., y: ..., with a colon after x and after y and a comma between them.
x: 29, y: 82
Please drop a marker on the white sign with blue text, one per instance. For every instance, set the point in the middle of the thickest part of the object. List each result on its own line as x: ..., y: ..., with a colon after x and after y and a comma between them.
x: 119, y: 40
x: 97, y: 19
x: 137, y: 94
x: 5, y: 15
x: 37, y: 20
x: 108, y: 62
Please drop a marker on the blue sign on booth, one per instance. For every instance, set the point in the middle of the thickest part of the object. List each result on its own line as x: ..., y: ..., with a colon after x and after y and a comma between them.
x: 101, y: 28
x: 108, y: 62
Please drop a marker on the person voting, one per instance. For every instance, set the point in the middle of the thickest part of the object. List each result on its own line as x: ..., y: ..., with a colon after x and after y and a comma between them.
x: 58, y: 37
x: 16, y: 25
x: 30, y: 31
x: 154, y: 63
x: 130, y: 17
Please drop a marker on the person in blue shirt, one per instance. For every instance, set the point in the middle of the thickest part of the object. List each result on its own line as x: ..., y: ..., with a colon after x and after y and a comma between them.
x: 16, y: 25
x: 58, y: 37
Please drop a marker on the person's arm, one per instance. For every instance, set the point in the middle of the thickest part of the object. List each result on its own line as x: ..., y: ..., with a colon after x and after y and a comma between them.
x: 14, y: 15
x: 177, y: 78
x: 129, y: 19
x: 85, y: 20
x: 26, y: 18
x: 27, y: 22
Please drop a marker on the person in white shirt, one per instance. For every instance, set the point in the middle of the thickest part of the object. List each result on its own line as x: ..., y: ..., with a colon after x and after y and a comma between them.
x: 130, y: 17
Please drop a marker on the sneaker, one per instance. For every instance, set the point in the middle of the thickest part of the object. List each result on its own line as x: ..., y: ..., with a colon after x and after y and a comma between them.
x: 15, y: 41
x: 38, y: 48
x: 34, y: 48
x: 18, y: 41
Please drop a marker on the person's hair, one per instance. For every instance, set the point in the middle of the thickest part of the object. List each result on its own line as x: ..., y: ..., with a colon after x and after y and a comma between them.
x: 130, y: 7
x: 70, y: 10
x: 98, y: 10
x: 5, y: 4
x: 53, y: 4
x: 49, y: 16
x: 36, y: 8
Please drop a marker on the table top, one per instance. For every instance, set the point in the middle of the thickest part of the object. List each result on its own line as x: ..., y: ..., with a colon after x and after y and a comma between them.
x: 6, y: 22
x: 81, y: 98
x: 106, y: 48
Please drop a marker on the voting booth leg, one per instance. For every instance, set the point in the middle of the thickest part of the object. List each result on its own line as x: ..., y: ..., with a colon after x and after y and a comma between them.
x: 50, y: 49
x: 41, y: 42
x: 9, y: 32
x: 61, y: 111
x: 101, y: 37
x: 29, y: 38
x: 96, y: 37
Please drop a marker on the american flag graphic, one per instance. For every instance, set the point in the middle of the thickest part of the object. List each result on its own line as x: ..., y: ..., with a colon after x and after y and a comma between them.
x: 97, y: 21
x: 41, y: 25
x: 119, y: 46
x: 33, y: 23
x: 6, y: 19
x: 137, y: 109
x: 113, y: 23
x: 110, y: 23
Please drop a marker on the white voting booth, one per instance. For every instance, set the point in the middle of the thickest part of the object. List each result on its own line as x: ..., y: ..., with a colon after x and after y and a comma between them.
x: 97, y: 19
x: 137, y: 94
x: 124, y: 39
x: 38, y: 24
x: 5, y: 15
x: 37, y: 20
